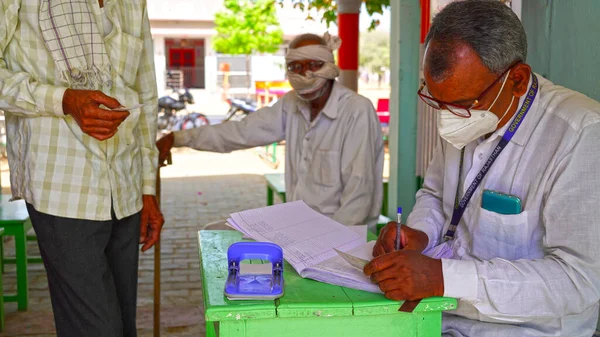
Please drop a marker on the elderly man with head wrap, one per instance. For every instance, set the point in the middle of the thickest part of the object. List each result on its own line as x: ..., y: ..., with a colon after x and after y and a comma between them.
x: 334, y: 146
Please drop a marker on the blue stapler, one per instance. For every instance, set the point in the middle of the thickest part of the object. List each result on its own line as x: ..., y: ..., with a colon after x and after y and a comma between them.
x: 254, y: 285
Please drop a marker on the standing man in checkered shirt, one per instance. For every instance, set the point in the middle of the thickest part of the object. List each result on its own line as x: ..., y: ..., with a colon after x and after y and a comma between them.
x: 73, y: 74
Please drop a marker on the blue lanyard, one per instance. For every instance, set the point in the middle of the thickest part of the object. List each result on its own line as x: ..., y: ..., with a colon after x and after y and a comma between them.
x: 461, y: 206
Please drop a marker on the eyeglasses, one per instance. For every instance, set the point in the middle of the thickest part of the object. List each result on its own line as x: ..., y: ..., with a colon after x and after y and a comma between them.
x: 457, y: 109
x: 298, y: 67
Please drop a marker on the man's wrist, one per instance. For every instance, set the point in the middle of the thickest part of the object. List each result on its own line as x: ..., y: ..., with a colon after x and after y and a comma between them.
x: 65, y: 99
x: 423, y: 240
x: 148, y: 198
x: 426, y: 226
x: 171, y: 137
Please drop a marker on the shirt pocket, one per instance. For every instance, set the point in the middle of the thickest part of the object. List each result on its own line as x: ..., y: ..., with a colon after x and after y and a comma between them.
x: 124, y: 52
x: 500, y: 235
x: 326, y: 168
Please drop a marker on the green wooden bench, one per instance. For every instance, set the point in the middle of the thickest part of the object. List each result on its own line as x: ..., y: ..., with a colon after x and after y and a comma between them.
x: 1, y: 284
x: 269, y: 154
x: 308, y: 308
x: 276, y: 186
x: 15, y: 221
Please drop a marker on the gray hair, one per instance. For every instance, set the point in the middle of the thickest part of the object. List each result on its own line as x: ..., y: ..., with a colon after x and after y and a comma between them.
x: 306, y: 37
x: 490, y: 28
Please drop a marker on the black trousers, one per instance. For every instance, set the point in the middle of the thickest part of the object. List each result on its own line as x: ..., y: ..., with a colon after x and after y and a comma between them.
x: 92, y: 269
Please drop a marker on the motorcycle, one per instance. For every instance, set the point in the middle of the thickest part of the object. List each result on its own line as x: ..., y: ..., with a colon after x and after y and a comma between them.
x: 239, y: 108
x: 173, y: 115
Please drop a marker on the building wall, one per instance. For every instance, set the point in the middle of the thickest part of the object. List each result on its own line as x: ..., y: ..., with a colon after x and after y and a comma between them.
x: 195, y: 20
x: 564, y: 42
x: 163, y: 30
x: 183, y: 10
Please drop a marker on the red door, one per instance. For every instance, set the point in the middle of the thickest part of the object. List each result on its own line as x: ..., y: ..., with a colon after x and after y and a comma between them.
x: 182, y: 57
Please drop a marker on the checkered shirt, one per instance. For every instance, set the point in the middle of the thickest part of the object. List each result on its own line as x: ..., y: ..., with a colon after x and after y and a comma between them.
x: 55, y: 166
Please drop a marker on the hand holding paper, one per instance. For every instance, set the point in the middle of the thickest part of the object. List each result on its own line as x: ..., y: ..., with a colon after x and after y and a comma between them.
x: 123, y: 108
x: 84, y: 107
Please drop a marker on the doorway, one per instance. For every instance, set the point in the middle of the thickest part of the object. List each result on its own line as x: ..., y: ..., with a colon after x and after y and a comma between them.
x: 185, y: 58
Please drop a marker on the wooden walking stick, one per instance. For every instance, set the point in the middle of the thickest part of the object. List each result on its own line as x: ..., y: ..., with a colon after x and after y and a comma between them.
x: 157, y: 261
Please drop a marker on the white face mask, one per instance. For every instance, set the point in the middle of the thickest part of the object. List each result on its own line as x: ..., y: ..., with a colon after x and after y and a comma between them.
x: 460, y: 131
x: 312, y: 85
x: 312, y: 88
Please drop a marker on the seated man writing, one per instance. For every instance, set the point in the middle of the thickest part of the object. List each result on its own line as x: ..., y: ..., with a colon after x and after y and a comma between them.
x: 334, y: 146
x: 525, y: 263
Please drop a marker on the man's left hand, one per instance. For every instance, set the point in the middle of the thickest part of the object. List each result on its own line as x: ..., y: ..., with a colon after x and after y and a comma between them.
x: 407, y: 275
x: 151, y: 222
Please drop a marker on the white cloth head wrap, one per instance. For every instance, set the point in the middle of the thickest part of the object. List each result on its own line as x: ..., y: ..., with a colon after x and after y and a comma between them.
x: 313, y: 81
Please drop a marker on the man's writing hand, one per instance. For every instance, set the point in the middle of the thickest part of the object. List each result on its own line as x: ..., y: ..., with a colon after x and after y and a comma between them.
x: 407, y: 275
x: 410, y: 239
x: 83, y: 106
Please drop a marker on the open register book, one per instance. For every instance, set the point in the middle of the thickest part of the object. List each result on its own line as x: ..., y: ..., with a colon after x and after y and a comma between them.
x: 309, y: 241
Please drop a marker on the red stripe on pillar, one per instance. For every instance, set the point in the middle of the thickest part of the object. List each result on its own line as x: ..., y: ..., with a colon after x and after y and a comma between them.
x: 348, y: 30
x: 425, y: 18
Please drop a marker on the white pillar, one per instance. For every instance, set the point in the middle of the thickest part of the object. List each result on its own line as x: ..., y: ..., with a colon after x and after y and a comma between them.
x: 210, y: 66
x: 160, y: 64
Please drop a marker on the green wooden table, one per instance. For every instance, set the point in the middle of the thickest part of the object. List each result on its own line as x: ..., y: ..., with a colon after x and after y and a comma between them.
x: 308, y: 308
x: 15, y: 221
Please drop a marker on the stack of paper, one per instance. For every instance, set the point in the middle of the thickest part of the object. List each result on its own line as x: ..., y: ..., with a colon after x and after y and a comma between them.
x: 309, y: 241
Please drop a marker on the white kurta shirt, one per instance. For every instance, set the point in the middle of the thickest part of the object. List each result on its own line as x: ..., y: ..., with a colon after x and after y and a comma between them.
x: 536, y: 273
x: 334, y: 163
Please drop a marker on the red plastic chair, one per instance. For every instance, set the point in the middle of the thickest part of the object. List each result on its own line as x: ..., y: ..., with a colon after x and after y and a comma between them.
x: 383, y: 110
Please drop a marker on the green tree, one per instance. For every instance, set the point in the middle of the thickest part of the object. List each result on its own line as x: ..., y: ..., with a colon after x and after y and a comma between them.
x: 246, y: 27
x: 375, y: 52
x: 329, y: 9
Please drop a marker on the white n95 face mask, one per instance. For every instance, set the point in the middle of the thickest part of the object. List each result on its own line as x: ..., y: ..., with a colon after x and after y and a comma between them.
x: 460, y: 131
